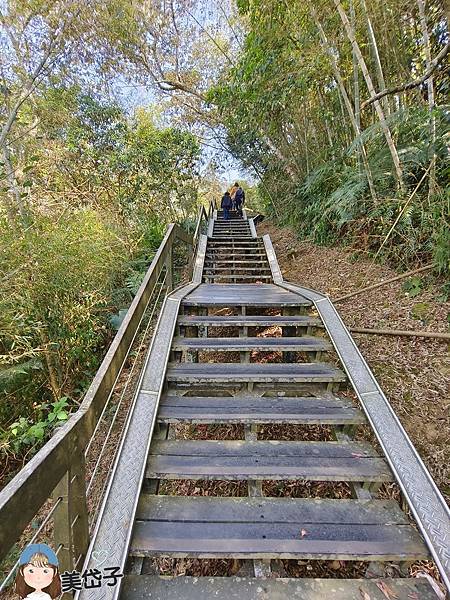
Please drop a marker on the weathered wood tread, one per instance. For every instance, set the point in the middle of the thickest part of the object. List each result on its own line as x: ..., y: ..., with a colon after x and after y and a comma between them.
x: 295, y: 528
x: 218, y: 256
x: 261, y: 460
x: 253, y: 372
x: 221, y: 251
x: 251, y: 409
x: 228, y: 244
x: 231, y: 267
x: 251, y: 321
x: 256, y: 250
x: 299, y: 344
x: 253, y: 294
x: 233, y: 239
x: 227, y: 261
x: 148, y: 587
x: 253, y: 278
x: 229, y: 241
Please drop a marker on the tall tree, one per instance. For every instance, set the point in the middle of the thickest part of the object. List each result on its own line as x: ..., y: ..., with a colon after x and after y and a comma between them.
x: 431, y: 98
x: 368, y: 79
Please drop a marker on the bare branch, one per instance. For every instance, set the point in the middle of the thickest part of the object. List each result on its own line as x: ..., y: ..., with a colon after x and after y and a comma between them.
x: 211, y: 38
x: 230, y: 25
x: 168, y: 85
x: 411, y: 84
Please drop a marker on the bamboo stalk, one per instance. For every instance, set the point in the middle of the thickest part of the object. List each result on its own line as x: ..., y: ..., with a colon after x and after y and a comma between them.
x: 400, y: 332
x: 343, y: 97
x: 381, y: 283
x: 368, y: 79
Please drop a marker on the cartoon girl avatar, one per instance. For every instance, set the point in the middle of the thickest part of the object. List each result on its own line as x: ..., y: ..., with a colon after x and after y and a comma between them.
x: 38, y: 576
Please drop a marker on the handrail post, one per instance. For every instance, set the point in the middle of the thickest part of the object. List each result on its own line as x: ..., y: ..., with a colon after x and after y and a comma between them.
x: 169, y: 267
x: 70, y: 519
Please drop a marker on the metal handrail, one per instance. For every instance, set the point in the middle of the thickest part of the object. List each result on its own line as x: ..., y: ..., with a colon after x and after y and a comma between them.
x: 63, y: 454
x: 203, y: 216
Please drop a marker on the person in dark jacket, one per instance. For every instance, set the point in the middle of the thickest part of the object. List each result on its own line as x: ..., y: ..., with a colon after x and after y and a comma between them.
x: 226, y: 205
x: 239, y: 199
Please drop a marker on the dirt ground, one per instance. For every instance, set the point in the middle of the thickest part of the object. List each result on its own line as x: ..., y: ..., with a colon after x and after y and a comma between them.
x: 413, y: 372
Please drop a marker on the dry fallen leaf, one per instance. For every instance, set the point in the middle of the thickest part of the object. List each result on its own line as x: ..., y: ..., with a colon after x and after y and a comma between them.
x: 390, y: 595
x: 303, y: 533
x: 364, y: 595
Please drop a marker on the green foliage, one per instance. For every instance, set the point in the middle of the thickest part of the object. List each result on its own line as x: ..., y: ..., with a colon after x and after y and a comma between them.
x: 104, y: 187
x: 57, y: 279
x: 25, y: 433
x: 285, y: 116
x: 420, y: 312
x: 117, y: 319
x: 441, y: 247
x: 412, y: 286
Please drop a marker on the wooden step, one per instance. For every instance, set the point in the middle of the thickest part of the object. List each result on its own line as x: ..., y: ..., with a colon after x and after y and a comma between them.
x: 242, y: 294
x: 233, y: 228
x: 232, y: 265
x: 219, y: 255
x: 235, y: 344
x: 275, y: 528
x: 228, y: 241
x: 258, y: 410
x: 145, y: 587
x: 266, y: 460
x: 233, y: 278
x: 233, y: 215
x: 250, y: 321
x: 233, y: 239
x: 227, y: 261
x: 228, y: 246
x: 253, y: 372
x: 216, y: 268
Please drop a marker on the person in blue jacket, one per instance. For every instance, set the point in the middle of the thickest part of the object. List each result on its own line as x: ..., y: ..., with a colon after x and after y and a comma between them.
x: 226, y: 205
x: 239, y: 198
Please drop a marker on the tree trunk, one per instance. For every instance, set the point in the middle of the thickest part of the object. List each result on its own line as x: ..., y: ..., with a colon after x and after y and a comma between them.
x: 431, y: 98
x: 376, y: 55
x: 305, y: 141
x: 286, y: 166
x: 18, y: 206
x: 357, y: 101
x: 356, y: 95
x: 362, y: 64
x: 52, y: 370
x: 346, y: 100
x: 325, y: 120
